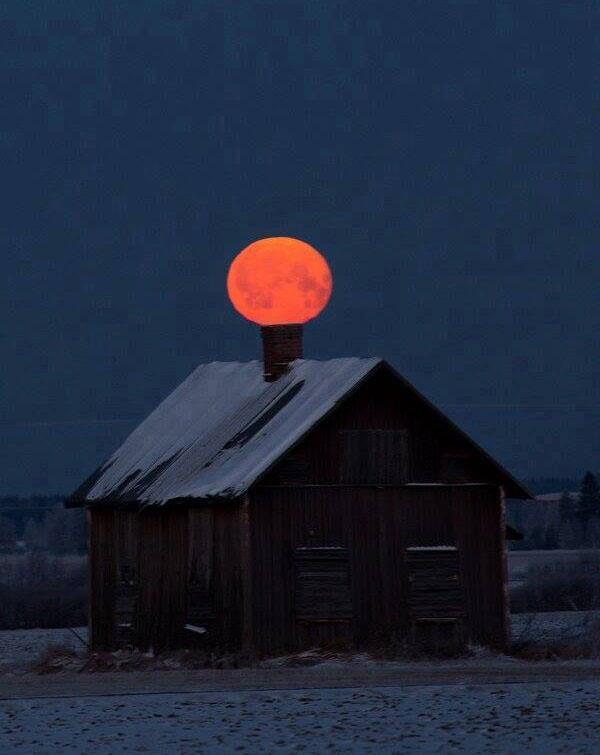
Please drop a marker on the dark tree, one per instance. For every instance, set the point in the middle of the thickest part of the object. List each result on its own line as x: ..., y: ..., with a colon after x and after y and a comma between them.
x: 33, y: 535
x: 8, y: 534
x: 566, y: 507
x: 551, y: 538
x: 537, y: 539
x: 589, y: 502
x: 64, y: 531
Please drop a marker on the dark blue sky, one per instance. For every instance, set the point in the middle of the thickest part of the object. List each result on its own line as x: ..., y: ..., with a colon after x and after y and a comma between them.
x: 443, y: 156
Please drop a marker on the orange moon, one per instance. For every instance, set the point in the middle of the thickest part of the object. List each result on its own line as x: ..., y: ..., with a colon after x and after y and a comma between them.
x: 279, y: 281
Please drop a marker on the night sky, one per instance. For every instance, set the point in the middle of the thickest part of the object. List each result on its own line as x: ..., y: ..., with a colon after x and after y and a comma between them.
x: 442, y: 155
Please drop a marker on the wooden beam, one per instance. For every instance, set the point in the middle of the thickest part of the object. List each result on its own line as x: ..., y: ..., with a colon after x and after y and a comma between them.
x: 506, y: 628
x: 246, y: 576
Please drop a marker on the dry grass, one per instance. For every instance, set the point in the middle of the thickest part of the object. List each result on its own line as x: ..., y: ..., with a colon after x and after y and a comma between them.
x: 38, y: 590
x: 55, y: 658
x: 585, y: 647
x: 560, y: 586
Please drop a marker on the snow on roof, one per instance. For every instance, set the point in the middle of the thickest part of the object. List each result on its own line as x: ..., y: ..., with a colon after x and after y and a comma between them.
x: 220, y: 430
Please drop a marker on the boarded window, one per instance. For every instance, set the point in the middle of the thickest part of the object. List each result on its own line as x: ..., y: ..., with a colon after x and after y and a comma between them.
x: 199, y: 611
x: 434, y: 582
x: 374, y: 457
x: 435, y: 600
x: 322, y: 584
x: 458, y: 468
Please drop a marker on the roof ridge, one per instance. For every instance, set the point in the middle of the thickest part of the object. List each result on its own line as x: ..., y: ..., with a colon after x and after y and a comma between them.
x: 303, y: 359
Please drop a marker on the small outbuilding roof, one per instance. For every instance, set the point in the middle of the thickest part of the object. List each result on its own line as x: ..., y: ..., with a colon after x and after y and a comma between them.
x: 223, y: 428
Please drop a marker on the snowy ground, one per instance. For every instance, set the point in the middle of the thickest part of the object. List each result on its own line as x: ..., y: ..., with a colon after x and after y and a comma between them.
x: 20, y: 647
x: 503, y: 718
x: 553, y: 627
x: 484, y: 703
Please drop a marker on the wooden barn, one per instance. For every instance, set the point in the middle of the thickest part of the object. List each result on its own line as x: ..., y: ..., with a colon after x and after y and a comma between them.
x: 278, y: 505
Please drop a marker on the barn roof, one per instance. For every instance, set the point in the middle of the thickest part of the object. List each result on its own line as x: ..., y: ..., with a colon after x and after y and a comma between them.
x: 222, y: 429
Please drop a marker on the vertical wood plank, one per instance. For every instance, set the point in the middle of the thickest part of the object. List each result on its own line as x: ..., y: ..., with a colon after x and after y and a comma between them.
x: 102, y: 560
x: 478, y: 522
x: 246, y: 576
x: 501, y: 533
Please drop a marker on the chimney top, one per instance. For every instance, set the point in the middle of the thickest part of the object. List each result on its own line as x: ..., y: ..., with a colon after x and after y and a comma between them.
x: 282, y: 344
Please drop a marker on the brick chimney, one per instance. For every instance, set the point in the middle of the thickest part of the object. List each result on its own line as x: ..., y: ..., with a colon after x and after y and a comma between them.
x: 281, y: 345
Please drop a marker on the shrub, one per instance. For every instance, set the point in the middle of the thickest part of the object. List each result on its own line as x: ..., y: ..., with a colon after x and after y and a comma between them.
x: 54, y: 658
x: 586, y: 646
x: 43, y: 591
x: 566, y: 587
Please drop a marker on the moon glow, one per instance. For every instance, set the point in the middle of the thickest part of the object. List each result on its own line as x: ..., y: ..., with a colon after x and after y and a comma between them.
x: 278, y: 281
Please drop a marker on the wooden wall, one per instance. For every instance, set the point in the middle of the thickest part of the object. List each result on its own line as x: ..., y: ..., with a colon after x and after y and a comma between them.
x: 480, y: 536
x: 190, y: 565
x: 381, y: 403
x: 147, y: 562
x: 375, y: 525
x: 309, y: 492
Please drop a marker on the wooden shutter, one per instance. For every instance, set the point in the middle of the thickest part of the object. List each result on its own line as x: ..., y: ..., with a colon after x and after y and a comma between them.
x: 374, y: 457
x: 435, y: 598
x: 322, y: 584
x: 434, y: 583
x: 458, y: 468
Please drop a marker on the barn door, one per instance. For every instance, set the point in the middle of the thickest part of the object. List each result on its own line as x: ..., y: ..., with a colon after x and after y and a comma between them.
x: 322, y: 595
x: 435, y: 598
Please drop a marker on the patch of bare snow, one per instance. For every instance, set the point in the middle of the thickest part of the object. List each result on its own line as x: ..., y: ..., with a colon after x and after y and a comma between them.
x: 20, y: 647
x: 499, y: 718
x: 552, y: 626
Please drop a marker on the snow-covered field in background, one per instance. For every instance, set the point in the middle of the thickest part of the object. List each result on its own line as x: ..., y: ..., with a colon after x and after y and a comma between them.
x: 500, y: 718
x: 552, y: 627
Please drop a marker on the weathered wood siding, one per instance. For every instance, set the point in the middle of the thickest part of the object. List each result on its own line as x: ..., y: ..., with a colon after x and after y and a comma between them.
x: 381, y: 403
x: 170, y: 566
x: 480, y: 530
x: 375, y: 525
x: 102, y: 565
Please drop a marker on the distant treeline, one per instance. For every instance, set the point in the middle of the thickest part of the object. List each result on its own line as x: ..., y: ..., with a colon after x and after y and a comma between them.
x: 38, y: 589
x: 41, y: 523
x: 20, y: 509
x: 569, y: 521
x: 541, y: 485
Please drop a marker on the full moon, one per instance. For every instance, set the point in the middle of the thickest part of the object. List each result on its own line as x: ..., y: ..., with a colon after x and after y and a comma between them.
x: 279, y: 281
